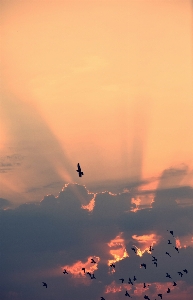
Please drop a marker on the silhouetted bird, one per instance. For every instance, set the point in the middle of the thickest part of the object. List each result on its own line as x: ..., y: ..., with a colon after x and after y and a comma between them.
x: 127, y: 294
x: 160, y: 295
x: 102, y: 298
x: 174, y: 283
x: 83, y: 269
x: 144, y: 285
x: 168, y: 291
x: 146, y: 297
x: 180, y: 273
x: 168, y: 254
x: 185, y: 271
x: 172, y: 233
x: 121, y: 279
x: 130, y: 282
x: 65, y: 272
x: 143, y: 265
x: 168, y: 275
x: 112, y: 265
x: 92, y: 276
x: 154, y: 259
x: 89, y: 274
x: 169, y: 242
x: 80, y: 173
x: 155, y: 263
x: 45, y: 284
x: 93, y: 261
x: 150, y: 248
x: 134, y: 249
x: 134, y: 278
x: 176, y: 249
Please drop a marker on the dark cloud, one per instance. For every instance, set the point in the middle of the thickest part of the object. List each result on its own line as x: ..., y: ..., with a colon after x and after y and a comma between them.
x: 38, y: 239
x: 4, y: 203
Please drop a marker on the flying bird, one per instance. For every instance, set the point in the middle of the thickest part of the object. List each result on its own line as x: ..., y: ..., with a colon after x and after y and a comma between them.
x: 150, y: 248
x: 144, y: 285
x: 112, y: 265
x: 154, y: 259
x: 169, y: 242
x: 80, y: 173
x: 121, y: 279
x: 168, y: 254
x: 168, y: 275
x: 130, y: 282
x: 93, y: 261
x: 146, y: 297
x: 143, y: 265
x: 176, y: 249
x: 89, y: 274
x: 45, y: 284
x: 65, y: 272
x: 160, y: 295
x: 168, y: 291
x: 180, y: 273
x: 155, y: 263
x: 172, y: 233
x: 92, y: 276
x: 102, y: 298
x: 127, y: 294
x: 174, y: 283
x: 83, y: 269
x: 185, y: 271
x: 134, y: 278
x: 134, y: 249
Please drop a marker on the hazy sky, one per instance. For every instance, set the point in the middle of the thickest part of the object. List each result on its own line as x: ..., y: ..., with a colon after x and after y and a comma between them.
x: 107, y: 84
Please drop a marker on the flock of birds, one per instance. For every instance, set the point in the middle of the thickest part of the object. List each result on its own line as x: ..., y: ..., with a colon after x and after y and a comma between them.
x: 131, y: 281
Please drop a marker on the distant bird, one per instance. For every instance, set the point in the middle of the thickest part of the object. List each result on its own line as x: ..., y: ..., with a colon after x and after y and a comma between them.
x: 155, y: 263
x: 89, y: 274
x: 92, y: 276
x: 174, y: 283
x: 143, y: 265
x: 160, y: 295
x: 168, y: 254
x: 65, y: 272
x: 134, y: 250
x: 180, y: 273
x: 130, y: 282
x: 185, y: 271
x: 169, y: 242
x: 121, y: 279
x: 150, y: 248
x: 172, y: 233
x: 112, y: 265
x: 168, y: 291
x: 83, y: 269
x: 45, y: 284
x: 134, y: 278
x: 127, y: 294
x: 93, y: 261
x: 168, y: 275
x: 146, y: 297
x: 154, y: 259
x: 176, y: 249
x: 102, y: 298
x: 144, y: 285
x: 80, y: 173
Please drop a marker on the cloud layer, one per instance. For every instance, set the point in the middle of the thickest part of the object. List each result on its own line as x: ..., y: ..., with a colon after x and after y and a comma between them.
x: 39, y: 240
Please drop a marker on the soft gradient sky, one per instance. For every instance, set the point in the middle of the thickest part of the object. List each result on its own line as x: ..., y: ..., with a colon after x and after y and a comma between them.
x: 105, y: 83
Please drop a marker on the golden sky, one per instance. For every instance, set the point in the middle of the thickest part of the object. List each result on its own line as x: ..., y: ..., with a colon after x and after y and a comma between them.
x: 104, y: 83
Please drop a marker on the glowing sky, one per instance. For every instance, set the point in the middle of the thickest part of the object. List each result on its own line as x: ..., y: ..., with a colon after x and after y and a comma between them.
x: 108, y: 84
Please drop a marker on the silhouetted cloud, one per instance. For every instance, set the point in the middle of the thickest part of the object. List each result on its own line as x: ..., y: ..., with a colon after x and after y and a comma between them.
x: 42, y: 238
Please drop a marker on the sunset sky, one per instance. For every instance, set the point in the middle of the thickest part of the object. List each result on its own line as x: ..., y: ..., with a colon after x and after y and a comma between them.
x: 108, y: 84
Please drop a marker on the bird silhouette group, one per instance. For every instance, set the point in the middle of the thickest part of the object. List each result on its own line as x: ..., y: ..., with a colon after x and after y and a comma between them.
x: 143, y: 265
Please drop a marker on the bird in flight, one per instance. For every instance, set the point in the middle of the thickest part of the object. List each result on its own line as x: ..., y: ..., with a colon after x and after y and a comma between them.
x: 176, y: 249
x: 146, y: 297
x: 168, y: 254
x: 168, y: 291
x: 65, y: 272
x: 174, y: 283
x: 160, y: 295
x: 169, y: 242
x: 168, y: 275
x: 102, y: 298
x: 121, y: 279
x: 130, y: 282
x: 83, y: 269
x: 92, y: 276
x: 45, y: 284
x: 185, y: 271
x: 127, y: 294
x: 134, y: 278
x: 80, y: 173
x: 150, y: 248
x: 134, y: 249
x: 180, y: 273
x: 143, y: 265
x: 93, y: 261
x: 112, y: 265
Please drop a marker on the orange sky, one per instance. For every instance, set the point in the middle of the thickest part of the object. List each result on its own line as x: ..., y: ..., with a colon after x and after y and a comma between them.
x: 111, y: 80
